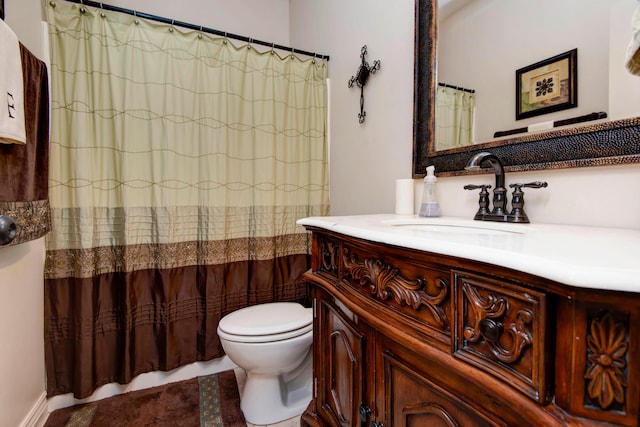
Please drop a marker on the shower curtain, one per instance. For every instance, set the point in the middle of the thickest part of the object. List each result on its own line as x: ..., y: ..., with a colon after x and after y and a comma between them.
x: 180, y: 163
x: 454, y: 118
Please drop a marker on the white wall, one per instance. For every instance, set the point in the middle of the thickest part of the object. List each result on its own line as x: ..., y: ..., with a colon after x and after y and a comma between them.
x: 262, y: 20
x: 366, y: 159
x: 22, y: 396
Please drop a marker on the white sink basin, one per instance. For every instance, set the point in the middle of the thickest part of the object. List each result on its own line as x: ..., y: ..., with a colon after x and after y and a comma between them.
x: 456, y: 227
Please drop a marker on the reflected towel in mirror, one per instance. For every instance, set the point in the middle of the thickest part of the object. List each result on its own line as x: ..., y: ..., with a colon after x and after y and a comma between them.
x: 633, y: 53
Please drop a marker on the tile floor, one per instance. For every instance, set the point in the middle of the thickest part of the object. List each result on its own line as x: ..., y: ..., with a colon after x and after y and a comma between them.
x: 241, y: 377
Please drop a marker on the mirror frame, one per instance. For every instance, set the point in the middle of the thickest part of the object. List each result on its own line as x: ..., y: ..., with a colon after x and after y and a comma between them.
x: 608, y: 143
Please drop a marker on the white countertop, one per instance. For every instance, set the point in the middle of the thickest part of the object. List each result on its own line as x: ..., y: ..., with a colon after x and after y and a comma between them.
x: 588, y: 257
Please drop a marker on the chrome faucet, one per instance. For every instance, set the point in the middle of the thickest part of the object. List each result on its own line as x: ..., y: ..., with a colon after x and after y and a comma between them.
x: 499, y: 210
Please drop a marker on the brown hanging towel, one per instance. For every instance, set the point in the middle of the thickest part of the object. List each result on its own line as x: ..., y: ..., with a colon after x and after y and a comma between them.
x: 24, y: 169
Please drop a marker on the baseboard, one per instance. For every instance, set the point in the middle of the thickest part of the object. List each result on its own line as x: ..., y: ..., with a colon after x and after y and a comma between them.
x: 38, y: 414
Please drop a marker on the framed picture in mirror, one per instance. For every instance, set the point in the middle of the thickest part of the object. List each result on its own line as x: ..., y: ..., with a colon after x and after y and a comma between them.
x: 547, y: 86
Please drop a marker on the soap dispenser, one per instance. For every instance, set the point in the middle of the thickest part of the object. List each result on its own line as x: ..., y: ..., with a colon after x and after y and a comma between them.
x: 430, y: 206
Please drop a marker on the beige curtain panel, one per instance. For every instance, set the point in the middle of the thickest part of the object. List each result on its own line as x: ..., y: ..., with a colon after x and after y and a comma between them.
x: 180, y: 163
x: 454, y: 118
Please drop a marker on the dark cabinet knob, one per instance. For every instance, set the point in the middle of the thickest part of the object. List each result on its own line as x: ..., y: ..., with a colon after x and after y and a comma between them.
x: 365, y: 413
x: 490, y: 329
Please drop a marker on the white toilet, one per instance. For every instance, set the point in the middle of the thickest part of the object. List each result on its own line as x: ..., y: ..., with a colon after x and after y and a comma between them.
x: 272, y: 343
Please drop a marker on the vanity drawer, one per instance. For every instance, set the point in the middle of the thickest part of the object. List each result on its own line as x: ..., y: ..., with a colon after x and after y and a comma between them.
x: 501, y: 329
x: 419, y: 291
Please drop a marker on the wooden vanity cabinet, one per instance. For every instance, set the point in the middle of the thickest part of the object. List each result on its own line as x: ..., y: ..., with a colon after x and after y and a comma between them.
x: 409, y: 338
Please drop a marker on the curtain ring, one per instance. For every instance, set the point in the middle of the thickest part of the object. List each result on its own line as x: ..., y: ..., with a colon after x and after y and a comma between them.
x: 200, y: 34
x: 273, y: 52
x: 292, y: 55
x: 135, y: 15
x: 171, y: 27
x: 225, y: 38
x: 250, y: 41
x: 102, y: 14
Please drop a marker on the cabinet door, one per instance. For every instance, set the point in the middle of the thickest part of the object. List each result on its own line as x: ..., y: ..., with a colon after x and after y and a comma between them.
x: 340, y: 363
x: 412, y: 399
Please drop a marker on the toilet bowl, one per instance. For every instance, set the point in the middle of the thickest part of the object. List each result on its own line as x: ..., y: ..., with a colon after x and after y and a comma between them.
x: 272, y: 343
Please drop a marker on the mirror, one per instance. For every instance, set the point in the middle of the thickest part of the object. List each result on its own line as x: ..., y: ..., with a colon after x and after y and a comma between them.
x: 610, y: 141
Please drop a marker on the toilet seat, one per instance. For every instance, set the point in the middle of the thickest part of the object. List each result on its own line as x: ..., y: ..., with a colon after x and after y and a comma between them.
x: 266, y: 323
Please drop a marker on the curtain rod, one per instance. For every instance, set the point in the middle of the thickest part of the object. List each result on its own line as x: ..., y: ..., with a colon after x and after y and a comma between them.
x: 457, y: 87
x: 195, y: 27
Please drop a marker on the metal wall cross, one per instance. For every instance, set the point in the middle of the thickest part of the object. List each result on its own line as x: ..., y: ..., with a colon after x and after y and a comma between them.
x: 361, y: 79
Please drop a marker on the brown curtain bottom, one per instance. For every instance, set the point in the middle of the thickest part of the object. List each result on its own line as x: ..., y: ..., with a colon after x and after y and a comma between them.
x: 112, y: 327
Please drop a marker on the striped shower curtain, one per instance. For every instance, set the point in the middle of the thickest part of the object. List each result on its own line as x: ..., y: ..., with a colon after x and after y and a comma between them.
x: 180, y: 163
x: 454, y: 118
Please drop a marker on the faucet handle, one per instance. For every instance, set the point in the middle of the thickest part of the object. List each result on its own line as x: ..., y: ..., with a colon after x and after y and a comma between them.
x: 517, y: 188
x: 483, y: 202
x: 517, y: 200
x: 535, y: 184
x: 475, y: 187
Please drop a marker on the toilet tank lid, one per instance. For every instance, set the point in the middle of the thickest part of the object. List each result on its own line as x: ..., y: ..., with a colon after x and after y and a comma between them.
x: 266, y: 319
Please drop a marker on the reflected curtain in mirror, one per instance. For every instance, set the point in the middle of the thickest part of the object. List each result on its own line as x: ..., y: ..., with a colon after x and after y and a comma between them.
x: 179, y: 166
x: 454, y: 117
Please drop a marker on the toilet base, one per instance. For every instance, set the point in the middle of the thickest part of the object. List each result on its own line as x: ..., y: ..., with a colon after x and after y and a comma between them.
x: 269, y: 399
